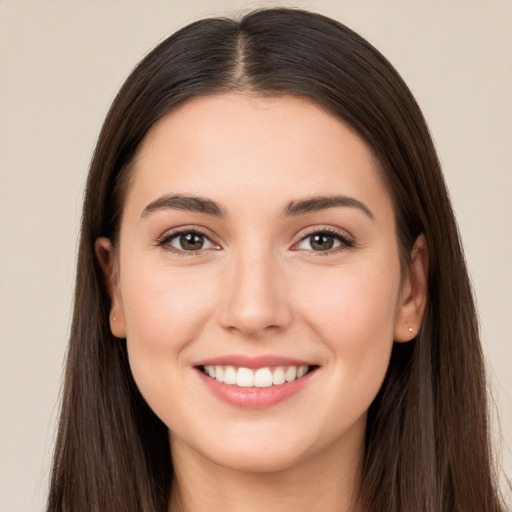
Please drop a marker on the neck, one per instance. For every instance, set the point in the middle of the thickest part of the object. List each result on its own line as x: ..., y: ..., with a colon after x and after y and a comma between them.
x: 327, y: 481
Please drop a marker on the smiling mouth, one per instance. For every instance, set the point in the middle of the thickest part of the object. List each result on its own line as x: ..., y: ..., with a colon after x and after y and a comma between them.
x: 256, y: 378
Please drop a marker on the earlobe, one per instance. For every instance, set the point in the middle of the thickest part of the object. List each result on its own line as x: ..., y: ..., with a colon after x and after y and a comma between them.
x: 106, y: 258
x: 413, y: 297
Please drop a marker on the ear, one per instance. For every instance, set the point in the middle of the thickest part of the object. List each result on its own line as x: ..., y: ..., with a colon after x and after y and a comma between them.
x: 108, y: 263
x: 413, y: 296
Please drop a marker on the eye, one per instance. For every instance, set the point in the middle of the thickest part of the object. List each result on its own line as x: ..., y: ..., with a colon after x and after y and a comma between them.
x: 324, y: 241
x: 187, y: 241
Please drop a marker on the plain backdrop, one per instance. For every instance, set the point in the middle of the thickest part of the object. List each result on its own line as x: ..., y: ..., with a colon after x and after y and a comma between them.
x: 61, y: 64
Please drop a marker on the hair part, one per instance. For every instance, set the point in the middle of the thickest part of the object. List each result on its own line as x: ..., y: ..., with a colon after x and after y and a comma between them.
x: 427, y: 445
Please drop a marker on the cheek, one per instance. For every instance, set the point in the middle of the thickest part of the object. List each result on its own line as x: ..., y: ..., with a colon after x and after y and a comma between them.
x: 355, y: 321
x: 354, y: 304
x: 353, y: 312
x: 164, y: 311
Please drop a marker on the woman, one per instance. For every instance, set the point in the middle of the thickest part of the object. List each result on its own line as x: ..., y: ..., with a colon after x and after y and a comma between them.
x: 272, y: 307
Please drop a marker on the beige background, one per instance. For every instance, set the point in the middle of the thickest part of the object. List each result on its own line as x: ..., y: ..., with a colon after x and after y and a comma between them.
x: 61, y: 64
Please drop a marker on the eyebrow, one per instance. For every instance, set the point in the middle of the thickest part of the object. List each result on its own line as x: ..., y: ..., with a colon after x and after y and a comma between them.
x: 315, y: 204
x: 182, y: 202
x: 293, y: 208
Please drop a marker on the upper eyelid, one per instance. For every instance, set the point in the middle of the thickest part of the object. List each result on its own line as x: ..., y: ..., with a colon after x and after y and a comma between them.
x: 346, y: 240
x: 173, y: 232
x: 164, y: 241
x: 331, y: 230
x: 343, y: 234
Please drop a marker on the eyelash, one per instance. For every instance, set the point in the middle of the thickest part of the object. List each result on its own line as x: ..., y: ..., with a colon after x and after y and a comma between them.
x: 346, y: 242
x: 165, y: 240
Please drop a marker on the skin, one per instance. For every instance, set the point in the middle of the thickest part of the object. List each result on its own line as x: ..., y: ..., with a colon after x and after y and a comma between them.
x: 259, y: 287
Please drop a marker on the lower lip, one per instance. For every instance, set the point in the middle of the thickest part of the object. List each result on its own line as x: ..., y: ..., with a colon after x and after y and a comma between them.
x: 255, y: 398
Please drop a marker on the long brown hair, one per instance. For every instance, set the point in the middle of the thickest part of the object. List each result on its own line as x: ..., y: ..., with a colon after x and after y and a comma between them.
x: 427, y: 446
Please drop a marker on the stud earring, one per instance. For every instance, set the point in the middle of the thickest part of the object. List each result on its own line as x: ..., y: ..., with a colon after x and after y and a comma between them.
x: 410, y: 329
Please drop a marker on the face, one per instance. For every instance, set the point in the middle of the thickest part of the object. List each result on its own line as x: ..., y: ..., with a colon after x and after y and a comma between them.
x: 257, y: 280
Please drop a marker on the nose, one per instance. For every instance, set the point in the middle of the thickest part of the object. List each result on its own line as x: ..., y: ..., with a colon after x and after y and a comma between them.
x: 255, y: 302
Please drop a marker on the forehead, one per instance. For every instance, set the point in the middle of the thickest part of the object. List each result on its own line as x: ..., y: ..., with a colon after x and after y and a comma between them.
x: 254, y: 150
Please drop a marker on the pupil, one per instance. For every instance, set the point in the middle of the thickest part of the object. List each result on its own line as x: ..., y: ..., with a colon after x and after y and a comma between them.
x: 322, y: 242
x: 192, y: 241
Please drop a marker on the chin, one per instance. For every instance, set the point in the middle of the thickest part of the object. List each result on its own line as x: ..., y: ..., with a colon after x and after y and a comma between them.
x: 257, y: 459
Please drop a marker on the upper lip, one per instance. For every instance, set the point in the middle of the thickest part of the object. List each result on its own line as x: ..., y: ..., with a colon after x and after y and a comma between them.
x: 244, y: 361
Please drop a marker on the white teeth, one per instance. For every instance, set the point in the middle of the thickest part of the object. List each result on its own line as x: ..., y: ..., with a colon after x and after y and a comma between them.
x: 245, y: 378
x: 229, y: 375
x: 291, y: 373
x: 219, y: 373
x: 263, y: 378
x: 301, y: 371
x: 260, y: 378
x: 278, y: 376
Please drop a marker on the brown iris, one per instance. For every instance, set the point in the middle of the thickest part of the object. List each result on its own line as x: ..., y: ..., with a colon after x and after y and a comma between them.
x: 191, y: 241
x: 322, y: 242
